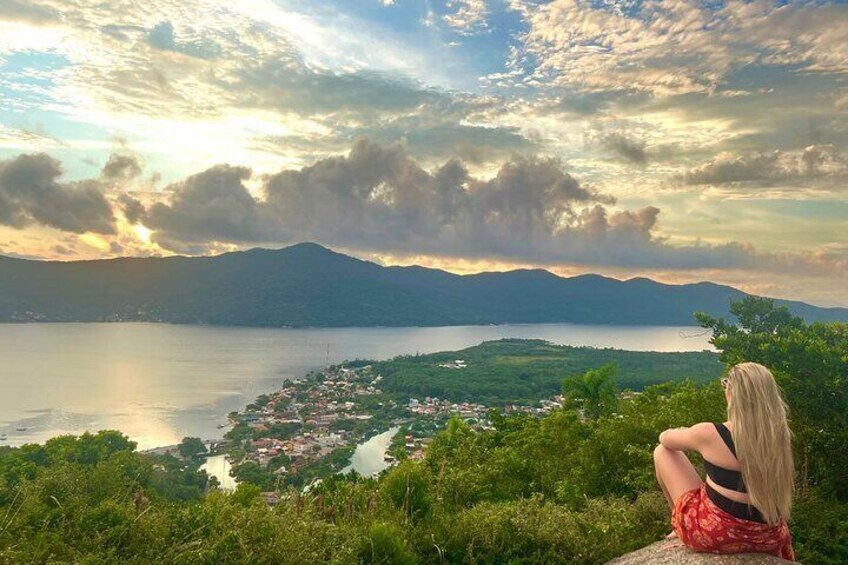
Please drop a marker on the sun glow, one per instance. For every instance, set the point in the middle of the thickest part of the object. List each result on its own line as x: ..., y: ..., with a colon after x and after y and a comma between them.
x: 95, y: 241
x: 142, y: 232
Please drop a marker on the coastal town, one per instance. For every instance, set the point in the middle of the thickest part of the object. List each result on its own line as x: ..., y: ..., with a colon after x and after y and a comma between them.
x: 310, y: 427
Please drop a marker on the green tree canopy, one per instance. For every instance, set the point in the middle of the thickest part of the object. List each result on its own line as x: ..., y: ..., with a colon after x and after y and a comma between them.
x: 192, y: 447
x: 594, y: 392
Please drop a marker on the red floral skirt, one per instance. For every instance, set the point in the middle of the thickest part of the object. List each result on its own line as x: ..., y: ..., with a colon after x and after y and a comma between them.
x: 704, y: 527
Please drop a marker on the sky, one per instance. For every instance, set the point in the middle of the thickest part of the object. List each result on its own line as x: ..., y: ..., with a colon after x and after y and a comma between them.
x: 677, y: 140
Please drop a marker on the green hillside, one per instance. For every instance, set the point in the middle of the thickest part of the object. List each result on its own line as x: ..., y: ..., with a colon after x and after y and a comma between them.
x: 523, y: 371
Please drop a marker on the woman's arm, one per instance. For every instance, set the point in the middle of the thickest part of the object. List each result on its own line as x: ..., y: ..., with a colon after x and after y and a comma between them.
x: 686, y: 439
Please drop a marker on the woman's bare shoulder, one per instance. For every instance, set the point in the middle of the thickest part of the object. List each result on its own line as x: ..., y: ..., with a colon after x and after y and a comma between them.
x: 706, y: 435
x: 704, y: 430
x: 694, y: 437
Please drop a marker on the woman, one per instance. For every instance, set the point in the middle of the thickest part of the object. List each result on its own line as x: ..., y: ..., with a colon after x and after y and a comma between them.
x: 746, y: 499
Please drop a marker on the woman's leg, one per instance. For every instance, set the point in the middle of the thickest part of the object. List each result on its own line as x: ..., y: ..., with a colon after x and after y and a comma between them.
x: 675, y: 473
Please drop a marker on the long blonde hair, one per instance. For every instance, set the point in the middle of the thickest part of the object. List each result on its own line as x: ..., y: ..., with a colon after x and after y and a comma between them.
x: 757, y: 410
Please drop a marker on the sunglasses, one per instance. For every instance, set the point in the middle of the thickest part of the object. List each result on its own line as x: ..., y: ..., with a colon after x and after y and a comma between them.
x: 724, y: 382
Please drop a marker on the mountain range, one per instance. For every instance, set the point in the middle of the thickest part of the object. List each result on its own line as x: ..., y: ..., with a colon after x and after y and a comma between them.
x: 309, y: 285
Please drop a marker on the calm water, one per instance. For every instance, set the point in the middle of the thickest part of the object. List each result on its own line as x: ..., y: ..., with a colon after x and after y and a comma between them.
x: 368, y: 457
x: 219, y: 467
x: 158, y: 383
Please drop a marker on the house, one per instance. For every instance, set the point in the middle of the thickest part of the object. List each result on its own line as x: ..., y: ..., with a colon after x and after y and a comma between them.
x: 325, y: 419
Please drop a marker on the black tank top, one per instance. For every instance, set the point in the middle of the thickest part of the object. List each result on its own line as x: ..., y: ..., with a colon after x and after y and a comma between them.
x: 732, y: 480
x: 727, y: 478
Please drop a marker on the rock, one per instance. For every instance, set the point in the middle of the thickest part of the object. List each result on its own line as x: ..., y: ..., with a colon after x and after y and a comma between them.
x: 673, y: 552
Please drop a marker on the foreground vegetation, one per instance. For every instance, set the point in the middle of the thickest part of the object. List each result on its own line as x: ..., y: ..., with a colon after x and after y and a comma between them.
x: 576, y: 486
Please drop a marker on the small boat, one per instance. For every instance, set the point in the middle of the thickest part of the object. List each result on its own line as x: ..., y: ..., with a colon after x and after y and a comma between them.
x: 2, y: 437
x: 21, y: 429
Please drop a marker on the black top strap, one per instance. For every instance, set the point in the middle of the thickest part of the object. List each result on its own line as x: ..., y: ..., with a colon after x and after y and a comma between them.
x: 727, y: 437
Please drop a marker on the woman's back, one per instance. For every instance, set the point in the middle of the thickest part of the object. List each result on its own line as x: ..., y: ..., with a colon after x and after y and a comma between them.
x: 718, y: 454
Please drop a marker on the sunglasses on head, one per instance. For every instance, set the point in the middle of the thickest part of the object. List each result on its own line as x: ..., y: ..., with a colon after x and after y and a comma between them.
x: 724, y: 382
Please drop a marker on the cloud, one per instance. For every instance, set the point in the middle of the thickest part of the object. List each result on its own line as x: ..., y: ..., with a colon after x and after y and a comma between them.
x: 163, y: 37
x: 677, y: 46
x: 132, y: 208
x: 378, y: 199
x: 26, y: 11
x: 259, y: 80
x: 467, y: 17
x: 434, y: 138
x: 379, y: 196
x: 373, y: 197
x: 731, y: 98
x: 121, y: 167
x: 626, y: 148
x: 61, y: 249
x: 770, y: 168
x: 213, y: 205
x: 30, y: 192
x: 288, y: 87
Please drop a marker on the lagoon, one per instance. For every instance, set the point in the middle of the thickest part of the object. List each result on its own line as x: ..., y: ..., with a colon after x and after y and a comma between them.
x: 159, y: 383
x: 219, y: 466
x: 368, y: 458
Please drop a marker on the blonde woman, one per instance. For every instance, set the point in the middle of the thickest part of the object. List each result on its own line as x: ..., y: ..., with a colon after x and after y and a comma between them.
x: 746, y: 499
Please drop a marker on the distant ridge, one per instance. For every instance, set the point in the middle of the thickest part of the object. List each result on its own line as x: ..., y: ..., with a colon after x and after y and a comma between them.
x: 309, y: 285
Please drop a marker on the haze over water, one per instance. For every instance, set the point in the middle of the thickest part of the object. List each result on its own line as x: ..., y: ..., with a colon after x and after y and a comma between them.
x: 159, y: 383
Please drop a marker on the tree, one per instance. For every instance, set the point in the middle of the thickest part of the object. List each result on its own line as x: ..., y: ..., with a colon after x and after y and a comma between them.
x: 191, y: 447
x: 595, y: 392
x: 251, y: 472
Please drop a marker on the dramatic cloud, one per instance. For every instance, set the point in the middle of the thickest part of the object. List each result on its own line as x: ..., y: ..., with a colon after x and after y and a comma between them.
x: 378, y: 199
x: 31, y: 193
x: 379, y: 196
x: 210, y: 206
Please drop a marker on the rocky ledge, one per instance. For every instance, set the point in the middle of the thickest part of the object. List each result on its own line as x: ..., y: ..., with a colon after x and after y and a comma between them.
x: 672, y: 552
